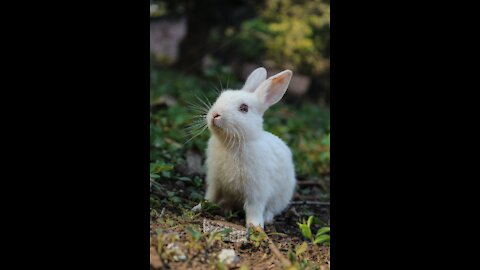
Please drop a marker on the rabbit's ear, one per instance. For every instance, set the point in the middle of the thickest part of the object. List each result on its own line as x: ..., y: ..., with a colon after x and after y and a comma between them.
x: 255, y: 78
x: 273, y: 89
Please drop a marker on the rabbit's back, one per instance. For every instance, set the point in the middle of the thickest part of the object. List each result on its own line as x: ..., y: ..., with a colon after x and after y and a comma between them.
x: 278, y: 173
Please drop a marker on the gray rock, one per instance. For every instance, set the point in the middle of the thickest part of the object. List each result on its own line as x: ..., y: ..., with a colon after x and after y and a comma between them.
x: 238, y: 233
x: 165, y: 38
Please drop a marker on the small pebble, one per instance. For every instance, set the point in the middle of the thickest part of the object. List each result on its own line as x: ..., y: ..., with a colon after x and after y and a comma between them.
x: 176, y: 252
x: 228, y: 257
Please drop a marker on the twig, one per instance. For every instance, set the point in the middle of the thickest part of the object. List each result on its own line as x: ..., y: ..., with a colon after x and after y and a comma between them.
x: 299, y: 197
x: 310, y: 203
x: 277, y: 253
x: 309, y: 183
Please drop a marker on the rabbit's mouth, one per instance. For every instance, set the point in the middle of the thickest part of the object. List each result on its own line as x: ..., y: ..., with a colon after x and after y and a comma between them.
x: 216, y: 126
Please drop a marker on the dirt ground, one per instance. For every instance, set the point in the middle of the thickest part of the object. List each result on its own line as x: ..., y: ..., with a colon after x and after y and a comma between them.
x: 181, y: 239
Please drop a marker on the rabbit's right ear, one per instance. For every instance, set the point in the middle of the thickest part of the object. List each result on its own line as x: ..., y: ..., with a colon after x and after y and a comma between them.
x: 255, y: 78
x: 273, y: 89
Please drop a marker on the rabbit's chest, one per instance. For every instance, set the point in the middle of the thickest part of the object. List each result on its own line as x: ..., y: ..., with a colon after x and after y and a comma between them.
x: 230, y: 170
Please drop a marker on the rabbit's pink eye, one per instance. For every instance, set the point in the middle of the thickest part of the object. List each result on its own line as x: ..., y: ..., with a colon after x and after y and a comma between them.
x: 243, y: 108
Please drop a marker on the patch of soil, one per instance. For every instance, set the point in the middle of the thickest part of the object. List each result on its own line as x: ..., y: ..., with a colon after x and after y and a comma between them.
x: 202, y: 253
x: 179, y: 240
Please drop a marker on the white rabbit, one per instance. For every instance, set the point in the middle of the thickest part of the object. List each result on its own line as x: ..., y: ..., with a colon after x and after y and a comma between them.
x: 248, y: 167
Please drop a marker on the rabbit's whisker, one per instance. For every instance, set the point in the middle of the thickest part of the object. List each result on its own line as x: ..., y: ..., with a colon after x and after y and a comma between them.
x: 198, y: 134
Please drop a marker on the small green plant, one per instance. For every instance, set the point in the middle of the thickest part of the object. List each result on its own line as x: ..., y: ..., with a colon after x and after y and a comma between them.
x: 210, y: 207
x: 213, y: 237
x: 198, y: 182
x: 256, y: 236
x: 154, y: 201
x: 196, y: 235
x: 188, y: 214
x: 296, y: 258
x: 231, y: 215
x: 159, y: 167
x: 322, y: 235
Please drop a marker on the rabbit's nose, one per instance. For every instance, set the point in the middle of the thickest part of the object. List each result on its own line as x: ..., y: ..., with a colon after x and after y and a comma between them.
x: 215, y: 118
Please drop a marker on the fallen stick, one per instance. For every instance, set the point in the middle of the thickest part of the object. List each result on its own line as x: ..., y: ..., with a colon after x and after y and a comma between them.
x: 277, y: 253
x: 299, y: 197
x: 309, y: 183
x: 310, y: 203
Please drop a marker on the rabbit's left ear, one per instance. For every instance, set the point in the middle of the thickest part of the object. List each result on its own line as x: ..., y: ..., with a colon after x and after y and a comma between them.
x: 272, y: 90
x: 255, y: 78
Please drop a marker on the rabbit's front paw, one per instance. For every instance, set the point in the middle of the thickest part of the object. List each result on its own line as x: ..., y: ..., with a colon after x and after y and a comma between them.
x: 254, y: 216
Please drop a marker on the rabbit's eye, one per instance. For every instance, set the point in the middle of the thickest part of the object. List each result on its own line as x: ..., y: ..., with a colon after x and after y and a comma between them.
x: 243, y: 108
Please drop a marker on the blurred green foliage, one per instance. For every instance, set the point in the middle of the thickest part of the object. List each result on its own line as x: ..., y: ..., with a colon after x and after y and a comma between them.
x: 291, y: 34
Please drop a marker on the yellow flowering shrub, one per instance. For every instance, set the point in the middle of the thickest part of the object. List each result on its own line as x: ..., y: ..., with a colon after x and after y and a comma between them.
x: 290, y: 34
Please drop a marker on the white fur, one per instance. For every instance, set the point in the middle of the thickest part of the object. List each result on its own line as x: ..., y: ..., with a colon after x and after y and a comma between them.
x: 247, y: 167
